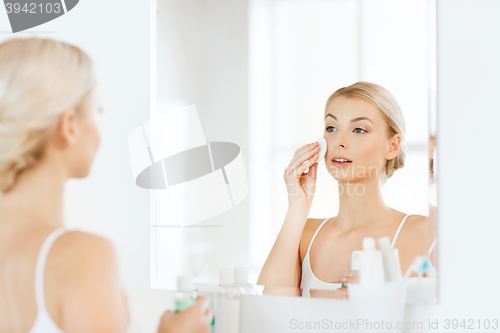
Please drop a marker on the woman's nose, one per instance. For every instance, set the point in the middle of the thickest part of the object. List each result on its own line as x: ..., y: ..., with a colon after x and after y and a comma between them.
x: 339, y: 141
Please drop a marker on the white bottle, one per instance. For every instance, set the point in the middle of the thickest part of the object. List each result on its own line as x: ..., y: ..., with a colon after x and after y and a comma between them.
x: 186, y: 293
x: 371, y: 265
x: 227, y: 303
x: 241, y: 282
x: 390, y: 255
x: 354, y: 266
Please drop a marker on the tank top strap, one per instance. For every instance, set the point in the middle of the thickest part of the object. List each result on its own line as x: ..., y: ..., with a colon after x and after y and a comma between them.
x: 431, y: 248
x: 40, y: 267
x: 315, y: 233
x: 399, y: 229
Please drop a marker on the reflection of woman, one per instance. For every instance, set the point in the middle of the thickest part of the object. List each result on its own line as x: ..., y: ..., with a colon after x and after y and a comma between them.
x: 53, y: 280
x: 363, y: 124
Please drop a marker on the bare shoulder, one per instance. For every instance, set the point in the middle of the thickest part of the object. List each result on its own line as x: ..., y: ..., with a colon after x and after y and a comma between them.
x: 78, y: 254
x: 417, y: 234
x: 309, y: 229
x: 82, y: 245
x: 421, y: 225
x: 82, y: 277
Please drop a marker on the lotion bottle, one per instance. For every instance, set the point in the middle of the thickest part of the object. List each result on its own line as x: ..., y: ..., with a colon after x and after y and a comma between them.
x: 390, y: 255
x: 186, y: 293
x: 354, y: 266
x: 371, y: 265
x: 241, y: 282
x: 227, y: 303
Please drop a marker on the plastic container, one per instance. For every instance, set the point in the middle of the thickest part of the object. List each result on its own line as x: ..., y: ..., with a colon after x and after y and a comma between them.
x: 376, y: 304
x: 241, y: 282
x: 421, y: 290
x: 186, y: 293
x: 373, y: 300
x: 354, y: 266
x: 371, y: 264
x: 227, y: 303
x: 390, y: 256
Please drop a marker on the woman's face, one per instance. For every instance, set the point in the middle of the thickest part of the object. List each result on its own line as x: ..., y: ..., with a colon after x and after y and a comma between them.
x: 88, y: 137
x: 356, y: 130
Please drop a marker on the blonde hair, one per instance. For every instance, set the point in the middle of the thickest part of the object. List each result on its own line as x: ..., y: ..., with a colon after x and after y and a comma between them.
x: 39, y: 79
x: 385, y: 102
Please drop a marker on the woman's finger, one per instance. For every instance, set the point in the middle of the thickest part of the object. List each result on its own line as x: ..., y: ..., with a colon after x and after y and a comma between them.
x: 313, y: 170
x: 342, y: 291
x: 350, y: 279
x: 208, y: 316
x: 303, y: 148
x: 308, y: 163
x: 299, y: 159
x: 300, y: 155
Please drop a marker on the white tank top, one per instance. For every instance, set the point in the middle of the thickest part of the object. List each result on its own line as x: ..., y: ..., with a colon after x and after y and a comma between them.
x: 43, y: 322
x: 310, y: 281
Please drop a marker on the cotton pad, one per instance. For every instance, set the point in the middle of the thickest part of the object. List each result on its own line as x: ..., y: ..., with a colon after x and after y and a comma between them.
x: 322, y: 148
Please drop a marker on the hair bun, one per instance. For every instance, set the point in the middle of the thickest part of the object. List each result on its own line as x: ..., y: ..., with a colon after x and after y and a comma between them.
x: 39, y: 79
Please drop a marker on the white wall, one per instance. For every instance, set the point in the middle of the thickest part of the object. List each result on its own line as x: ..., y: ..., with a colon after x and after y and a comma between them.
x: 202, y: 59
x: 116, y: 35
x: 468, y: 115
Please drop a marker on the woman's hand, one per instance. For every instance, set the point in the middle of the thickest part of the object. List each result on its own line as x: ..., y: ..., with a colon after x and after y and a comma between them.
x: 346, y: 279
x: 195, y: 319
x: 301, y: 186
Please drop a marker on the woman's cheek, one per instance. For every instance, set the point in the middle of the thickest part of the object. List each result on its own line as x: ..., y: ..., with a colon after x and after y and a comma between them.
x: 369, y: 150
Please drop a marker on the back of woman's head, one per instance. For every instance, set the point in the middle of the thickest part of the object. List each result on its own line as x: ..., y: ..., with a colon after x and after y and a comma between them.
x: 385, y: 102
x: 39, y: 79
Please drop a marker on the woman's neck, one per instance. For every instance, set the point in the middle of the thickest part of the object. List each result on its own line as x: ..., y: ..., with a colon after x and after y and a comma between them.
x: 36, y: 198
x: 360, y: 203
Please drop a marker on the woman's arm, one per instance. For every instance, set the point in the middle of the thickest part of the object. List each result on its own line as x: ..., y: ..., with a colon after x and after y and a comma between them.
x: 90, y: 296
x: 282, y: 269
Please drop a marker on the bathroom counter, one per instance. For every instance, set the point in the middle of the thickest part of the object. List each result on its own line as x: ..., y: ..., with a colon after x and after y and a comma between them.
x: 271, y: 314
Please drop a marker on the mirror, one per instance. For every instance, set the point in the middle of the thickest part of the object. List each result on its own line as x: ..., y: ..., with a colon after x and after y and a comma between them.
x: 259, y: 73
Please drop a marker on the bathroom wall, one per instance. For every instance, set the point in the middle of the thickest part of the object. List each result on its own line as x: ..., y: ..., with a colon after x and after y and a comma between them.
x: 202, y: 59
x: 467, y: 141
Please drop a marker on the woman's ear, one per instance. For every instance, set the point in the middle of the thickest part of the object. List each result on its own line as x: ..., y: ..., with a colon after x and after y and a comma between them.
x: 66, y: 131
x: 394, y: 147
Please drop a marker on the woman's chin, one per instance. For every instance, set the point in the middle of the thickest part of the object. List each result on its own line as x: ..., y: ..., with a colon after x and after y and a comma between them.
x: 343, y: 179
x: 81, y: 173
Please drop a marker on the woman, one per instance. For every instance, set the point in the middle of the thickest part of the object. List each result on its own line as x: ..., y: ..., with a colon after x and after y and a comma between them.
x: 54, y: 280
x: 364, y: 125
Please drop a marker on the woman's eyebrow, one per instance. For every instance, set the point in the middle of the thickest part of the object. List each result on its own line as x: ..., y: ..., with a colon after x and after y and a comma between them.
x: 352, y: 120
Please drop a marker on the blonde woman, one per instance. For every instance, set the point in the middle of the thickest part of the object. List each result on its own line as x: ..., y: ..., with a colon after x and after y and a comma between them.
x: 364, y: 125
x: 53, y: 280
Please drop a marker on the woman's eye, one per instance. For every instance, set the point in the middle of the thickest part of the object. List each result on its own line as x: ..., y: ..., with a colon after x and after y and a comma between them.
x: 329, y: 127
x: 355, y: 130
x: 359, y: 129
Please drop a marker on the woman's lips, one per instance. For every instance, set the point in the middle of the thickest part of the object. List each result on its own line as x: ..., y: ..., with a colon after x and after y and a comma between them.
x: 341, y: 164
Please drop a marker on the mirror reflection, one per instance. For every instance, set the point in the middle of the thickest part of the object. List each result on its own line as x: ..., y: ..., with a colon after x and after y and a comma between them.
x: 280, y: 75
x: 365, y: 134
